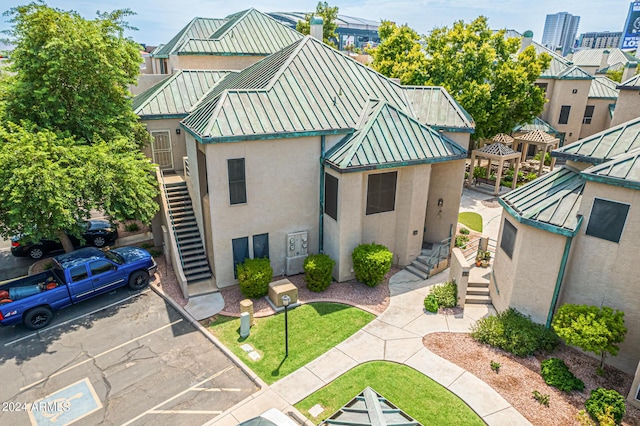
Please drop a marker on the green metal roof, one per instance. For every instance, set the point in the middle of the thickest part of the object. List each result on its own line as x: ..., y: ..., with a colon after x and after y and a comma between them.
x: 603, y: 88
x: 603, y: 146
x: 632, y: 84
x: 249, y: 32
x: 537, y: 124
x: 434, y: 106
x: 574, y: 73
x: 176, y: 94
x: 304, y: 89
x: 549, y: 202
x: 389, y: 138
x: 593, y: 57
x: 198, y: 28
x: 622, y: 171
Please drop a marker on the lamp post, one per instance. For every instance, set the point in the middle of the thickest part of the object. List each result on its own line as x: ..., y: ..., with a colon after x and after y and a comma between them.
x: 285, y: 302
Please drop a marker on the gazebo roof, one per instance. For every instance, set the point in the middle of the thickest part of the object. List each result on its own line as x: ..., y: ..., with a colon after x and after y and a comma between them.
x: 538, y: 137
x: 503, y: 138
x: 496, y: 151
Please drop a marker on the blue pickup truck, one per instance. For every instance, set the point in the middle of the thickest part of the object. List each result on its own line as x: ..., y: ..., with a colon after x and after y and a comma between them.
x: 74, y: 277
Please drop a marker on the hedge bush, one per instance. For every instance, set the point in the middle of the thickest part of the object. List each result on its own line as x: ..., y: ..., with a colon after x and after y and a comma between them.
x: 446, y: 294
x: 371, y: 262
x: 602, y: 398
x: 515, y: 333
x: 317, y: 271
x: 254, y: 276
x: 431, y: 304
x: 556, y: 373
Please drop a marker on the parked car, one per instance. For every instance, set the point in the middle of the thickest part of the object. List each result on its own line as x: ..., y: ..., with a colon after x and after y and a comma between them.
x: 98, y: 233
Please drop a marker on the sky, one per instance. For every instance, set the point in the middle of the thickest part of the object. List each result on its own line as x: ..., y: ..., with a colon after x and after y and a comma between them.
x: 159, y: 20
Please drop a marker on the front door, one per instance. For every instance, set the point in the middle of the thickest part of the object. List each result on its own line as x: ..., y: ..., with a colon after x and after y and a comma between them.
x: 161, y: 148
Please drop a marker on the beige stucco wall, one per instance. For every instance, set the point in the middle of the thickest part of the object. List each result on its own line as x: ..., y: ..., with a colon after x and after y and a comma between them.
x: 178, y: 142
x: 526, y: 281
x: 561, y: 93
x: 550, y: 88
x: 145, y: 81
x: 210, y: 62
x: 604, y: 273
x: 282, y: 182
x: 446, y: 184
x: 627, y: 107
x: 601, y: 117
x: 461, y: 138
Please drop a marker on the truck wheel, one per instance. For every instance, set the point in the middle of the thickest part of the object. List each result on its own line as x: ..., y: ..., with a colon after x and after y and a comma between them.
x: 36, y: 253
x: 99, y: 241
x: 138, y: 280
x: 37, y: 318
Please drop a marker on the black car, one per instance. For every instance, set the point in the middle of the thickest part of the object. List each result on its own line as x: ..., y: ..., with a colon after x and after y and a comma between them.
x: 97, y: 233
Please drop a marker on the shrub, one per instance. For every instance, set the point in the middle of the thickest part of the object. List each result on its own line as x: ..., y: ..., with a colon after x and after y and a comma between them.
x: 371, y: 262
x: 556, y: 373
x: 542, y: 398
x: 599, y: 401
x: 47, y: 266
x: 547, y: 158
x: 479, y: 172
x: 495, y: 366
x: 461, y: 241
x: 446, y: 295
x: 146, y: 245
x: 155, y: 252
x: 430, y: 303
x: 317, y: 271
x: 515, y: 333
x: 254, y: 276
x: 131, y: 227
x: 464, y: 231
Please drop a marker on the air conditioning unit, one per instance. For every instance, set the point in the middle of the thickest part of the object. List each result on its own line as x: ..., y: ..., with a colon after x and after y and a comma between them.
x: 297, y: 245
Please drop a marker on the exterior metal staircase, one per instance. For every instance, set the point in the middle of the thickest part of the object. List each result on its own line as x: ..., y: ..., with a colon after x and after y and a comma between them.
x: 187, y: 234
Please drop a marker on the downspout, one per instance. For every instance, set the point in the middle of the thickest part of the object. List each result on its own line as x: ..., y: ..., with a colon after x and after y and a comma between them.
x: 321, y: 217
x: 556, y: 291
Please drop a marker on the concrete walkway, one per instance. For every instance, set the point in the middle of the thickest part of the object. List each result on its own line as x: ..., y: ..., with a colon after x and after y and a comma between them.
x: 394, y: 336
x: 472, y: 201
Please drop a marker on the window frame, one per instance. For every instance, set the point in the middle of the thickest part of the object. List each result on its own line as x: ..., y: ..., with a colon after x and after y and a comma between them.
x: 331, y: 199
x: 375, y: 189
x: 265, y: 249
x: 512, y: 240
x: 233, y: 253
x: 74, y: 278
x: 594, y: 232
x: 564, y: 108
x: 588, y: 118
x: 241, y: 182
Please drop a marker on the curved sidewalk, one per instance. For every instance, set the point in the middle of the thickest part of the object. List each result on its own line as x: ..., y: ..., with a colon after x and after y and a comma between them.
x: 395, y: 336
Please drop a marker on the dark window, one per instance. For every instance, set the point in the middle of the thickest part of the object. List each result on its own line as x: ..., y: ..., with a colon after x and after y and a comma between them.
x: 607, y: 219
x: 543, y: 86
x: 588, y: 114
x: 78, y: 273
x: 638, y: 394
x: 331, y: 195
x: 508, y: 241
x: 564, y: 114
x: 100, y: 267
x: 240, y: 252
x: 261, y: 246
x: 237, y: 184
x: 381, y: 192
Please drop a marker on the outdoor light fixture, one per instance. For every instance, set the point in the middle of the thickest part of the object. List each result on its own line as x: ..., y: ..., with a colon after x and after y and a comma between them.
x: 285, y: 302
x: 440, y: 202
x: 178, y: 131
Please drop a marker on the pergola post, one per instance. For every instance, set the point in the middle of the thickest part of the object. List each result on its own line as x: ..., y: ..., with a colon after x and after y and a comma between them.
x: 498, y: 178
x: 515, y: 175
x: 553, y: 159
x: 488, y: 168
x: 542, y: 156
x: 473, y: 166
x: 525, y: 149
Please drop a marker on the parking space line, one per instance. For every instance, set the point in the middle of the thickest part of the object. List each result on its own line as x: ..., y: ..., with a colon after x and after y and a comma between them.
x: 57, y: 373
x: 28, y: 336
x: 197, y: 385
x: 184, y: 412
x: 217, y: 389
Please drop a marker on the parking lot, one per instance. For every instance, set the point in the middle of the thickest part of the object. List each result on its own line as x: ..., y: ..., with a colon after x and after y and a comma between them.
x: 127, y: 358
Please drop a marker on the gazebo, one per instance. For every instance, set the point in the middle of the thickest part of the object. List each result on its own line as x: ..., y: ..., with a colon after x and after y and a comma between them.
x: 495, y: 152
x: 544, y: 143
x: 504, y: 139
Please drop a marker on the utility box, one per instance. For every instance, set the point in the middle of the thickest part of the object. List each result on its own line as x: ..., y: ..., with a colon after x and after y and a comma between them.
x: 297, y: 244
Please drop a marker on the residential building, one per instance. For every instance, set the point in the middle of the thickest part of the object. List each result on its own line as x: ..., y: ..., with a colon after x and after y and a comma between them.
x: 560, y: 31
x: 599, y: 40
x: 628, y: 104
x: 351, y: 31
x: 599, y: 61
x: 603, y: 95
x: 571, y: 236
x: 311, y: 151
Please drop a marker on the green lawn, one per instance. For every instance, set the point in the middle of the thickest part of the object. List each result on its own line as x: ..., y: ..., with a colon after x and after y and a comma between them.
x: 313, y: 329
x: 411, y: 391
x: 471, y: 220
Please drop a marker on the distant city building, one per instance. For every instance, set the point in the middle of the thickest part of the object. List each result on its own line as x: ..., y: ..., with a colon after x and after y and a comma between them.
x: 351, y: 31
x: 631, y: 37
x: 599, y: 40
x: 560, y: 31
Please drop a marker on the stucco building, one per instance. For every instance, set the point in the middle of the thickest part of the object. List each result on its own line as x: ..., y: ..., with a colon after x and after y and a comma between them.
x: 571, y: 237
x: 628, y: 104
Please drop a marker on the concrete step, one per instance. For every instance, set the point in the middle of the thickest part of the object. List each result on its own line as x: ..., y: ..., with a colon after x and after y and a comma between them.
x: 195, y: 263
x: 201, y: 287
x: 478, y: 300
x: 477, y: 291
x: 481, y: 285
x: 417, y: 272
x: 180, y: 203
x: 185, y: 222
x: 191, y: 250
x: 196, y: 271
x: 175, y: 185
x: 190, y: 240
x: 186, y: 233
x: 421, y: 266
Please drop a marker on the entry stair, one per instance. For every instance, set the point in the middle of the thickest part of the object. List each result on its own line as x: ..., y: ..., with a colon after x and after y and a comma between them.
x: 191, y: 250
x: 430, y: 257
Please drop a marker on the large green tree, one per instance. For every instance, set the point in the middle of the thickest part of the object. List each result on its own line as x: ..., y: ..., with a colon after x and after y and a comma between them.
x: 329, y: 15
x: 69, y: 141
x: 481, y: 68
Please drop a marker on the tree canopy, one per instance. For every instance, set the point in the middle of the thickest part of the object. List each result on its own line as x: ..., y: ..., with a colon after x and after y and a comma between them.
x: 593, y: 329
x: 482, y: 69
x: 329, y: 15
x: 69, y: 141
